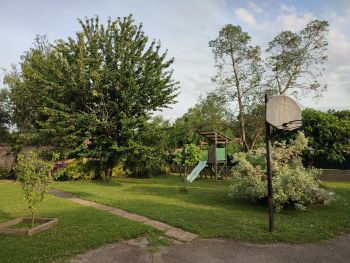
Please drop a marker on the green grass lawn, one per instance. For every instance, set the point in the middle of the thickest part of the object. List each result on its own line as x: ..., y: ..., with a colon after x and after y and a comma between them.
x: 207, y: 211
x: 80, y: 228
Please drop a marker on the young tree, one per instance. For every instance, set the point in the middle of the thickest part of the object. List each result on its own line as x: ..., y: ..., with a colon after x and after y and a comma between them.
x: 296, y: 60
x: 32, y: 173
x: 190, y: 155
x: 239, y: 71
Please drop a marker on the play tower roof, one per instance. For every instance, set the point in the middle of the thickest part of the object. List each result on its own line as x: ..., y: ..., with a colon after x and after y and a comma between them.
x: 214, y: 136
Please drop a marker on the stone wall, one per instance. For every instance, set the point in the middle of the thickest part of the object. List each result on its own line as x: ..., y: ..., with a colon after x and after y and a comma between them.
x: 8, y: 157
x: 335, y: 175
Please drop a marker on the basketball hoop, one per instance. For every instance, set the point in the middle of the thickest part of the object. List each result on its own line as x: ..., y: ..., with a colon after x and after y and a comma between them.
x: 283, y: 113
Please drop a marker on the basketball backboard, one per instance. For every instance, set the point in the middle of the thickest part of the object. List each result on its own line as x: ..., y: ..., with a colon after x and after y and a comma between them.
x: 283, y: 113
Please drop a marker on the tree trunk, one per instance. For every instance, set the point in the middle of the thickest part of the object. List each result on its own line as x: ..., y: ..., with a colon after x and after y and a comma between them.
x: 108, y: 172
x: 256, y: 136
x: 242, y: 126
x: 109, y: 169
x: 32, y: 212
x: 240, y: 105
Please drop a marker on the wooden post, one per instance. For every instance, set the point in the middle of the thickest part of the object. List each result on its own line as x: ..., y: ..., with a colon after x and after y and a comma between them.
x: 226, y: 168
x: 269, y: 169
x: 216, y: 161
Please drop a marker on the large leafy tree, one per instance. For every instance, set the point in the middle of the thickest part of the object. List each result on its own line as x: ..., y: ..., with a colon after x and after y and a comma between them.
x: 329, y: 135
x: 27, y: 85
x: 97, y: 90
x: 239, y: 71
x: 296, y: 60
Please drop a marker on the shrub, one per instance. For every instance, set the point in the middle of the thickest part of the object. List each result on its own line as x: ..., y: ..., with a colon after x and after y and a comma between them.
x: 3, y: 172
x: 32, y: 173
x: 118, y: 170
x: 145, y: 162
x: 79, y: 170
x: 292, y: 183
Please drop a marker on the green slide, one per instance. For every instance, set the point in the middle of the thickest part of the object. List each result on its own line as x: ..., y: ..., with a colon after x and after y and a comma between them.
x: 195, y: 172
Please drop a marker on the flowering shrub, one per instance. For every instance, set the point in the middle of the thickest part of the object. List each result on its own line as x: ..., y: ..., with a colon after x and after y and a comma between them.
x: 292, y: 182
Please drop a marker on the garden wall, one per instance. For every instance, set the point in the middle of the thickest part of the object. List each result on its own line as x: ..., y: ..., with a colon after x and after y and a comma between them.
x: 8, y: 157
x: 335, y: 175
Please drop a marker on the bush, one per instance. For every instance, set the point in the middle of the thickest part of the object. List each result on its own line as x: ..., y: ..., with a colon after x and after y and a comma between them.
x: 118, y: 170
x: 293, y: 184
x: 145, y: 163
x: 3, y: 172
x: 80, y: 170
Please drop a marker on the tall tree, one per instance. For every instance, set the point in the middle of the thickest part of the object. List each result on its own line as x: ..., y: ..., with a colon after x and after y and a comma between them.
x: 239, y: 70
x: 26, y: 89
x: 97, y: 90
x: 296, y: 60
x: 5, y: 116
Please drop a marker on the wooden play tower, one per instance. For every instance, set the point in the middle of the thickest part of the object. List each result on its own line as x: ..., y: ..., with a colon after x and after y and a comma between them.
x: 217, y: 157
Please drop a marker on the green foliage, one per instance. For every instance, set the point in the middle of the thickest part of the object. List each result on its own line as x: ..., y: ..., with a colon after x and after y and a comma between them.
x: 190, y: 155
x: 234, y: 147
x: 296, y: 60
x: 90, y: 95
x: 82, y: 169
x: 328, y: 134
x: 292, y: 183
x: 32, y: 173
x: 5, y: 116
x: 148, y: 149
x: 210, y: 112
x: 239, y: 72
x: 293, y: 64
x: 118, y: 170
x: 3, y: 172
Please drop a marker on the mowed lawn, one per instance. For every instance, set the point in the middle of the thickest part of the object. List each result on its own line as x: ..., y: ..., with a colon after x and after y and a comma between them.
x: 80, y: 228
x: 207, y: 210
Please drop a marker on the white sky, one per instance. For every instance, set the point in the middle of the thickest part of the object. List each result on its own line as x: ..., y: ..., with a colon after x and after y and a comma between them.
x: 185, y: 28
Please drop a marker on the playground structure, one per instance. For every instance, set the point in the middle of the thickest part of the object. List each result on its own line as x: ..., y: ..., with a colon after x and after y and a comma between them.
x: 214, y: 157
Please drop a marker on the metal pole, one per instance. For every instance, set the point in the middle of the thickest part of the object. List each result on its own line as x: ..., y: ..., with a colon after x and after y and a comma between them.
x: 269, y: 169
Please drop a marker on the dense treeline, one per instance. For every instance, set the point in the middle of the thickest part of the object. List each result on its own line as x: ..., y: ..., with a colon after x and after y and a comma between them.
x: 93, y: 96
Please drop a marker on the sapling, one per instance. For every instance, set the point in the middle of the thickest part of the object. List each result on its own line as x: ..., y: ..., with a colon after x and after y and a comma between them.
x: 32, y: 173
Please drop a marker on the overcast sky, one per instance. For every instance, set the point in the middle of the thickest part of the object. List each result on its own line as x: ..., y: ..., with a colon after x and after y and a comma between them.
x: 185, y: 27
